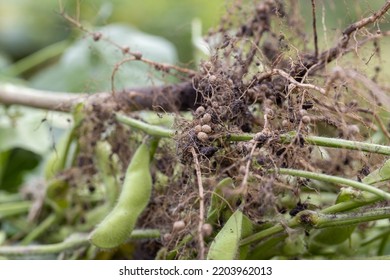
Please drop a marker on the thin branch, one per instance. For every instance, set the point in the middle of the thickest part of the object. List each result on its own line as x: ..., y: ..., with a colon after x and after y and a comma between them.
x: 201, y: 204
x: 379, y: 94
x: 244, y: 183
x: 97, y: 36
x: 334, y: 52
x: 313, y: 5
x: 266, y: 75
x: 116, y: 69
x: 296, y: 83
x: 378, y: 120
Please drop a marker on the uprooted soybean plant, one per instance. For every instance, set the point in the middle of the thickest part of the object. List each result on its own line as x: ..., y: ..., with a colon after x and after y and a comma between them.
x: 275, y: 147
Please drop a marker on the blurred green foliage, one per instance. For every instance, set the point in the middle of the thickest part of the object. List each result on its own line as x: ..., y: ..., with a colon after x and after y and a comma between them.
x: 30, y: 54
x: 27, y: 26
x: 30, y: 29
x: 29, y: 51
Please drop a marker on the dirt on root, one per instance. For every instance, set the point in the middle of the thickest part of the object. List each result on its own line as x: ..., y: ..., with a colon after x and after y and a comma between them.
x: 262, y: 78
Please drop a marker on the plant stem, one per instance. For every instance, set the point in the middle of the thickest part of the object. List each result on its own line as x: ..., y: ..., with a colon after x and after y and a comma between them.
x: 347, y: 144
x: 41, y: 228
x: 152, y: 130
x: 9, y: 198
x: 37, y: 58
x: 285, y: 138
x: 376, y: 238
x: 269, y: 232
x: 364, y: 199
x: 145, y: 234
x: 335, y: 180
x: 201, y: 204
x: 318, y: 220
x: 75, y: 241
x: 14, y: 208
x: 322, y: 142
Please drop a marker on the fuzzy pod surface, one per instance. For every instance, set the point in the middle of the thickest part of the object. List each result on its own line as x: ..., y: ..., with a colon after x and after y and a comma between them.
x: 117, y: 226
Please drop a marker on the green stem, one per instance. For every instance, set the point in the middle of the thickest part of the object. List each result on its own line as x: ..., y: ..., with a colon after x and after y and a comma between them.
x: 75, y: 241
x: 278, y: 228
x: 364, y: 199
x: 37, y: 58
x: 153, y: 146
x: 40, y: 229
x: 240, y: 137
x: 108, y: 168
x: 14, y: 208
x: 347, y: 144
x: 318, y: 220
x: 145, y: 234
x: 335, y: 180
x: 375, y: 238
x: 289, y: 137
x: 152, y: 130
x: 286, y: 138
x: 382, y: 245
x: 9, y: 197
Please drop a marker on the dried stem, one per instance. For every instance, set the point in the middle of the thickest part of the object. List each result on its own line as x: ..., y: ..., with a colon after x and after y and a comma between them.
x: 96, y: 36
x: 290, y: 78
x: 313, y: 5
x: 201, y: 204
x: 334, y: 52
x: 169, y: 97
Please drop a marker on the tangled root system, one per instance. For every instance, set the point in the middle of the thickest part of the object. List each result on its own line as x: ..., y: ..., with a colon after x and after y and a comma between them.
x: 264, y: 77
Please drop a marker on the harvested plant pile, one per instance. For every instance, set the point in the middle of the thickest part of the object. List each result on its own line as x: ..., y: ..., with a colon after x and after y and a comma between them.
x: 277, y: 149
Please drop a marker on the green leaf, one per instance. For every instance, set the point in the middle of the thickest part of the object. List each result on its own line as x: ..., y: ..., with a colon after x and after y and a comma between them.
x: 225, y: 245
x: 88, y: 65
x: 379, y: 175
x: 20, y: 161
x: 218, y: 203
x: 247, y: 229
x: 26, y: 132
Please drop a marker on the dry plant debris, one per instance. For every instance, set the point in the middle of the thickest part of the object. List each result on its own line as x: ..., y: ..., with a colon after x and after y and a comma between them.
x: 264, y: 78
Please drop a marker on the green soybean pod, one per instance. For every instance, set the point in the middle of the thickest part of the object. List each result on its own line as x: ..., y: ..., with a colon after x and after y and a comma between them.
x: 226, y: 244
x: 117, y: 226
